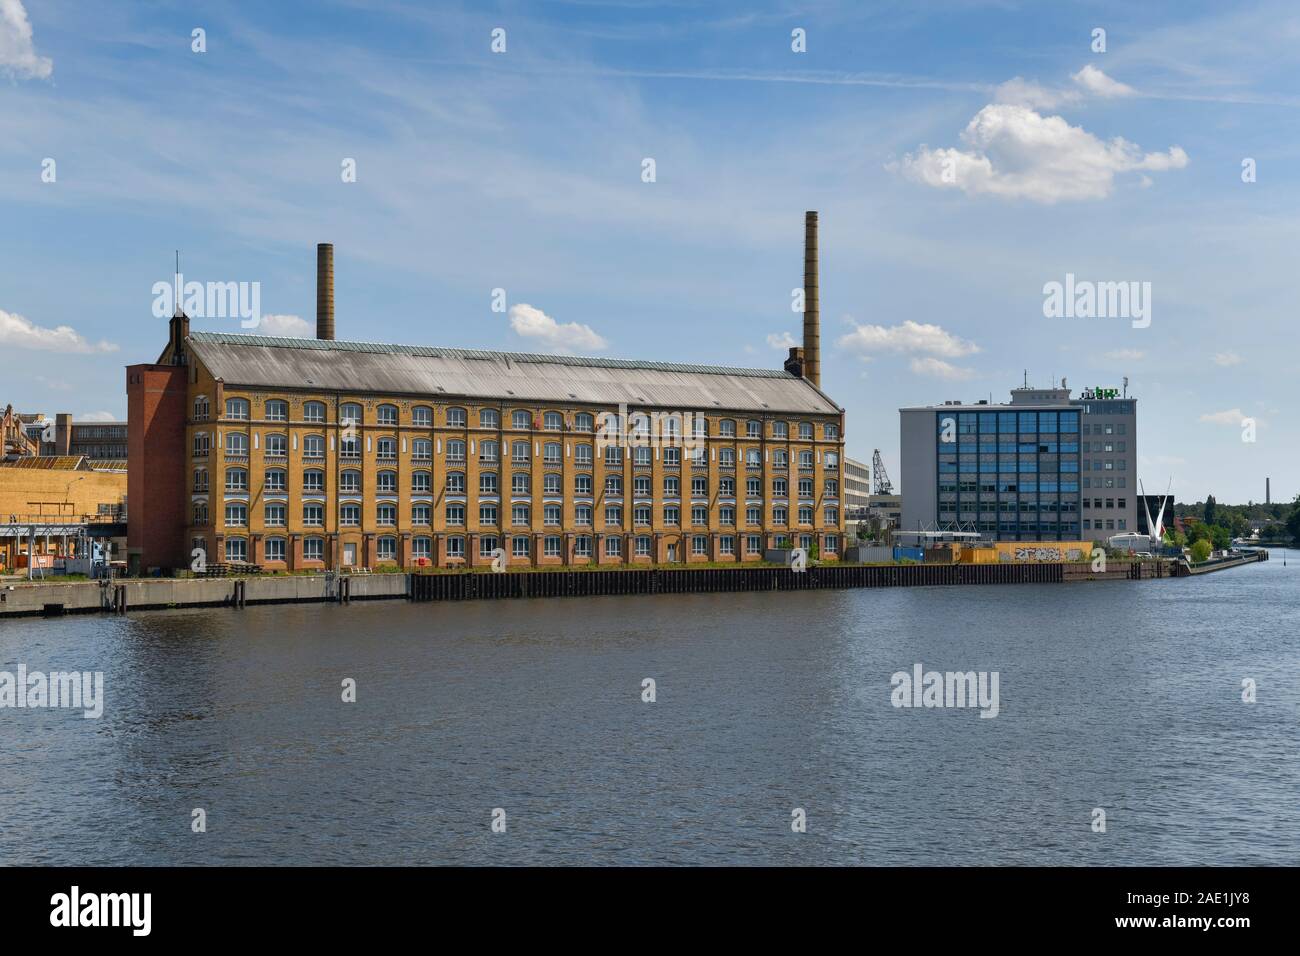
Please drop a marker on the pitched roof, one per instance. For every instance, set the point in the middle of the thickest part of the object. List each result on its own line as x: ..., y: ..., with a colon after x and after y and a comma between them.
x: 265, y: 361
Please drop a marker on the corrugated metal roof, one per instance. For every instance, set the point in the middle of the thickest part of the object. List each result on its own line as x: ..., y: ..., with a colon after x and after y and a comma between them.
x: 366, y: 367
x: 46, y: 462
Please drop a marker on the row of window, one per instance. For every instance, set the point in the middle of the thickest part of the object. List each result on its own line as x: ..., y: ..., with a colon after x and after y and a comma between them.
x: 313, y: 549
x: 313, y: 515
x: 637, y: 424
x: 313, y: 482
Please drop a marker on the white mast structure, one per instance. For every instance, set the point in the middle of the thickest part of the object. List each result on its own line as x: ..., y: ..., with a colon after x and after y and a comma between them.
x: 1156, y: 528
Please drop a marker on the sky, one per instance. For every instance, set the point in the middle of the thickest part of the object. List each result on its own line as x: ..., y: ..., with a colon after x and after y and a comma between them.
x: 629, y: 179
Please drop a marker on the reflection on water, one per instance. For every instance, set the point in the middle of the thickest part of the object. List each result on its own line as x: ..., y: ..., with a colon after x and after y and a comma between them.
x: 1119, y: 695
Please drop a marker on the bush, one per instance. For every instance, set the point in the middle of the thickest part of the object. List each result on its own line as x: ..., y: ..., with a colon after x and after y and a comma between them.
x: 1200, y: 550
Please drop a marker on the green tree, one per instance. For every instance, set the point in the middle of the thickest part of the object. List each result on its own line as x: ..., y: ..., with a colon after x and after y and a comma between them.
x: 1211, y: 506
x: 1200, y: 550
x: 1293, y: 521
x: 1220, y: 537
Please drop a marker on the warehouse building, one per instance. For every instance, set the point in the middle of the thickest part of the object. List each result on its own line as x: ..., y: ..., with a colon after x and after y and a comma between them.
x: 302, y: 454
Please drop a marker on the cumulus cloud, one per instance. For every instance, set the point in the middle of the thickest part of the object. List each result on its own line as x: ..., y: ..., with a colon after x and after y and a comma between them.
x: 938, y: 368
x: 1231, y: 416
x: 1099, y: 84
x: 96, y: 417
x: 22, y: 333
x: 1024, y: 92
x: 288, y: 326
x: 781, y: 340
x: 532, y: 323
x: 1016, y: 153
x: 910, y: 336
x: 17, y: 52
x: 1227, y: 359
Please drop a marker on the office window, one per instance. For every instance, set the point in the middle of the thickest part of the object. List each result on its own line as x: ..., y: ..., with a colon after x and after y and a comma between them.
x: 753, y: 515
x: 727, y: 428
x: 699, y: 544
x: 487, y: 483
x: 519, y: 546
x: 386, y: 449
x: 274, y: 549
x: 421, y: 548
x: 237, y: 408
x: 277, y: 410
x: 582, y: 455
x: 386, y: 548
x: 489, y: 418
x: 642, y: 546
x: 313, y: 515
x: 726, y: 544
x: 613, y: 456
x: 350, y: 516
x: 672, y: 486
x: 699, y: 515
x: 313, y: 446
x: 551, y: 546
x: 313, y: 549
x: 582, y: 484
x: 456, y: 547
x: 551, y: 484
x: 641, y: 456
x: 455, y: 483
x: 582, y: 546
x: 553, y: 421
x: 487, y: 514
x: 422, y: 449
x: 236, y: 549
x: 699, y: 487
x: 520, y: 419
x: 386, y: 515
x: 488, y: 452
x: 641, y: 515
x: 236, y: 479
x: 520, y: 483
x: 753, y: 543
x: 753, y: 429
x: 456, y: 417
x: 486, y: 545
x: 613, y: 516
x: 313, y: 412
x: 456, y: 514
x: 275, y: 514
x: 805, y: 431
x: 582, y: 515
x: 519, y: 452
x: 236, y: 515
x: 519, y: 514
x: 551, y: 453
x: 387, y: 483
x: 780, y: 515
x: 613, y: 546
x: 727, y: 514
x: 832, y: 431
x: 420, y: 515
x: 583, y: 422
x: 350, y: 413
x: 236, y: 444
x: 672, y: 457
x: 422, y: 415
x: 672, y: 515
x: 780, y: 430
x: 276, y: 481
x: 551, y: 515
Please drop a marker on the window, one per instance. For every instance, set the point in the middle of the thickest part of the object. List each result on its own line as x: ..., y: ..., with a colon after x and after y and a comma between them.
x: 313, y: 412
x: 551, y: 516
x: 313, y: 515
x: 582, y: 515
x: 202, y: 408
x: 582, y: 546
x: 386, y: 548
x: 386, y: 483
x: 832, y: 543
x: 350, y: 482
x: 582, y: 455
x: 613, y: 456
x: 752, y: 459
x: 780, y: 515
x: 781, y: 430
x: 422, y: 449
x: 456, y: 547
x: 421, y: 482
x: 805, y: 431
x: 519, y: 546
x: 313, y: 549
x: 780, y: 488
x: 519, y: 452
x: 350, y: 516
x: 699, y: 487
x: 613, y: 516
x: 236, y: 480
x: 487, y: 483
x: 486, y: 545
x: 201, y: 445
x: 641, y: 515
x: 455, y: 483
x: 672, y: 486
x: 805, y: 488
x: 456, y: 417
x: 699, y: 544
x: 727, y: 428
x: 236, y: 515
x: 456, y: 515
x: 313, y: 446
x: 753, y: 543
x: 553, y: 421
x: 236, y: 549
x: 200, y: 513
x: 727, y: 457
x: 277, y: 446
x: 521, y: 419
x: 699, y: 515
x: 727, y: 544
x: 422, y: 416
x: 752, y: 515
x: 456, y: 451
x: 386, y: 515
x: 386, y: 449
x: 350, y: 413
x: 487, y: 514
x: 727, y: 514
x: 805, y: 460
x: 551, y: 453
x: 236, y: 444
x: 488, y: 452
x: 805, y: 515
x: 672, y: 457
x: 420, y: 515
x: 275, y: 515
x: 237, y: 408
x: 613, y: 485
x: 641, y: 486
x: 641, y: 456
x: 275, y: 549
x: 349, y: 446
x: 831, y: 431
x: 753, y: 487
x: 833, y: 516
x: 672, y: 515
x: 833, y: 488
x: 387, y: 414
x: 613, y: 546
x: 753, y: 429
x: 201, y: 479
x: 420, y: 548
x: 583, y: 422
x: 643, y: 546
x: 489, y: 418
x: 519, y: 514
x: 551, y: 484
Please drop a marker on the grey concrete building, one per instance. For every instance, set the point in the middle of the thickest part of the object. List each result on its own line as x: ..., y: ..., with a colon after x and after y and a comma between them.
x: 1042, y: 467
x: 857, y: 489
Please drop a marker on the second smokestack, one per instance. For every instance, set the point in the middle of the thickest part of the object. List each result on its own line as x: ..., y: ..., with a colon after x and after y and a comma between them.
x: 325, y: 290
x: 812, y: 333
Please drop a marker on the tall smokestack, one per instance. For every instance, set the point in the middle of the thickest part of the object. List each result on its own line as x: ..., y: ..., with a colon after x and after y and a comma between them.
x: 325, y: 290
x: 812, y: 333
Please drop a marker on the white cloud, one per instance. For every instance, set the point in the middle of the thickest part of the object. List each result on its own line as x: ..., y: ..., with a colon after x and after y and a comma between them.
x: 96, y: 417
x: 532, y: 323
x: 1099, y: 84
x: 781, y: 340
x: 22, y: 333
x: 1014, y: 152
x: 289, y: 326
x: 1126, y: 355
x: 1227, y: 359
x: 1231, y: 416
x: 938, y: 368
x: 17, y: 53
x: 909, y: 337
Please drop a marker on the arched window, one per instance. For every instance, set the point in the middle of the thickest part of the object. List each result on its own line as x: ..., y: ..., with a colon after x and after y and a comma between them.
x: 387, y: 414
x: 521, y: 419
x: 313, y: 411
x: 277, y: 410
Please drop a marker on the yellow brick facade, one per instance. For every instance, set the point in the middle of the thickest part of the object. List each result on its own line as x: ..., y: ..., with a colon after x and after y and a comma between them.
x: 406, y: 444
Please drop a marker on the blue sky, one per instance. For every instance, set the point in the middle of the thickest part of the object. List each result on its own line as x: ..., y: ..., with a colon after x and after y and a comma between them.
x: 522, y: 171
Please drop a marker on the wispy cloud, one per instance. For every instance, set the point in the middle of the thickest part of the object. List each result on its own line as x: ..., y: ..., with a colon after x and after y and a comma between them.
x: 1230, y: 416
x: 781, y: 341
x: 938, y: 368
x: 22, y: 333
x: 1227, y: 359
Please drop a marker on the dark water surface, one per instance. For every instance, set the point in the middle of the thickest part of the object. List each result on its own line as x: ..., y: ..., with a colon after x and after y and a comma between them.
x: 1124, y: 696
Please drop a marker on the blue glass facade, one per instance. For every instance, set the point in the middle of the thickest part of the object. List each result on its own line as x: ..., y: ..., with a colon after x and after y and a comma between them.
x: 1012, y: 475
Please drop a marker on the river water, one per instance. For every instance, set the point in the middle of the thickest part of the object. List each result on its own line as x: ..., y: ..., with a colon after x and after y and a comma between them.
x: 1124, y: 697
